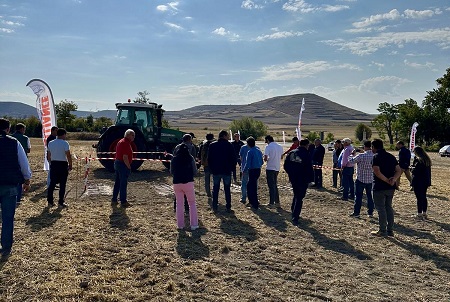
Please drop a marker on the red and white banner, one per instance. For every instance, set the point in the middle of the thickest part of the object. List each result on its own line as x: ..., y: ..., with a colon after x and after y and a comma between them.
x: 412, y: 138
x: 46, y: 110
x: 299, y: 132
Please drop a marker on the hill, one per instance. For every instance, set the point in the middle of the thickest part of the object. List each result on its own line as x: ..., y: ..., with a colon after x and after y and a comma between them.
x: 279, y: 110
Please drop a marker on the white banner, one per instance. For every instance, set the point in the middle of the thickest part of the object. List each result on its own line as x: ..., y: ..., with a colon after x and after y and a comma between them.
x: 299, y: 132
x: 46, y: 110
x: 412, y: 138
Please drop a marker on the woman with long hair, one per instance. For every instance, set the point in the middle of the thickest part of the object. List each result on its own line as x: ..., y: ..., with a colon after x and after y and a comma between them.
x: 183, y: 169
x: 421, y: 180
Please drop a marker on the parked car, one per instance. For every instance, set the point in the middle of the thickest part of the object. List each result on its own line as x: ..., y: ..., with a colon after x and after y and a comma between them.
x: 445, y: 151
x: 330, y: 146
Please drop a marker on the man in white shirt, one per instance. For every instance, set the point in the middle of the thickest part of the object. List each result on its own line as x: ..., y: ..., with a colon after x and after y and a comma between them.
x: 58, y: 155
x: 272, y: 156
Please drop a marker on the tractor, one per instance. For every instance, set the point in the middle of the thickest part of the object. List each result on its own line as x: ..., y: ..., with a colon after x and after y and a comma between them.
x: 152, y: 141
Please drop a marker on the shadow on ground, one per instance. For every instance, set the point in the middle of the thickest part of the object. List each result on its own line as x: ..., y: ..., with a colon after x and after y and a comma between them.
x: 44, y: 220
x: 119, y: 218
x: 190, y: 245
x: 335, y: 245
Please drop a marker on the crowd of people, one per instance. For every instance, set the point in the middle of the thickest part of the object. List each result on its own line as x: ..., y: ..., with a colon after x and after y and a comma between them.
x: 377, y: 174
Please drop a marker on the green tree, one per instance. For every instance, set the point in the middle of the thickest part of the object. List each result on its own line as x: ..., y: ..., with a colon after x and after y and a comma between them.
x: 363, y: 132
x: 90, y: 122
x: 64, y: 113
x: 408, y: 113
x: 329, y: 137
x: 437, y: 111
x: 142, y: 97
x: 384, y: 122
x: 312, y: 136
x: 247, y: 126
x: 102, y: 122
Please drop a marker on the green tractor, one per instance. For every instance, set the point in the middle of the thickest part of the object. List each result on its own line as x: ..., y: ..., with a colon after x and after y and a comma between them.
x: 152, y: 141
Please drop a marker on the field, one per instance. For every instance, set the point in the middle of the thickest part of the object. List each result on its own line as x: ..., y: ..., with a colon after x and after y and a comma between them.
x: 93, y: 251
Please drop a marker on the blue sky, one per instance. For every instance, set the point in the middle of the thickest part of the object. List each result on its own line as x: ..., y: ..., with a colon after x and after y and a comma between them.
x: 193, y: 52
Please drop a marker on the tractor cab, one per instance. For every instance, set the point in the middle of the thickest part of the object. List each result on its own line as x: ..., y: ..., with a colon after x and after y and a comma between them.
x: 146, y: 117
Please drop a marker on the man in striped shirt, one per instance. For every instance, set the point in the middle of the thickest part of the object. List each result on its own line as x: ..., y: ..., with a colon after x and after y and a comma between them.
x: 364, y: 179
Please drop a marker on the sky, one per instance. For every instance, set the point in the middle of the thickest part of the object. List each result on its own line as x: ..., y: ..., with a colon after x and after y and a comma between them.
x: 195, y: 52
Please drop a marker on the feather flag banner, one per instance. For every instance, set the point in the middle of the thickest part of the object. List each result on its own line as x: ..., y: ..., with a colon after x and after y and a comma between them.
x: 299, y: 132
x: 412, y: 138
x: 45, y: 107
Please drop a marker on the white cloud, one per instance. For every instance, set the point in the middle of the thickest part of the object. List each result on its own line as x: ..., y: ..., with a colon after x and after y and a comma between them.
x: 216, y: 94
x: 299, y: 69
x: 279, y: 35
x: 369, y: 45
x: 226, y: 33
x: 418, y: 65
x: 304, y: 7
x: 420, y: 14
x: 169, y: 7
x: 375, y: 19
x: 11, y: 23
x: 249, y: 4
x: 383, y: 85
x: 379, y: 65
x: 173, y: 26
x: 365, y: 25
x: 6, y: 30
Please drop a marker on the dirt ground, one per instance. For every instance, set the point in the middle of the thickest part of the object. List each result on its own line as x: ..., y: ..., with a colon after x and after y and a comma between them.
x: 93, y: 251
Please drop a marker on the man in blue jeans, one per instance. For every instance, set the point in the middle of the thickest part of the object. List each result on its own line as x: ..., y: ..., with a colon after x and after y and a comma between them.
x: 348, y: 168
x: 244, y: 180
x: 253, y: 164
x: 364, y: 179
x: 122, y: 166
x: 15, y: 170
x: 221, y: 161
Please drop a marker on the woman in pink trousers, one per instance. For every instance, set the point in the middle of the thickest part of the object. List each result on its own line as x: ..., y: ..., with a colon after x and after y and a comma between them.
x: 183, y: 169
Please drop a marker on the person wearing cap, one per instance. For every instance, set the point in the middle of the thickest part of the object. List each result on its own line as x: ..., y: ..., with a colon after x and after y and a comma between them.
x: 15, y: 170
x: 348, y: 169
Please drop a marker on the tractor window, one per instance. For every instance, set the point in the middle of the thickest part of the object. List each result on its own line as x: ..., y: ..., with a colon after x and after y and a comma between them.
x: 141, y: 118
x: 123, y: 118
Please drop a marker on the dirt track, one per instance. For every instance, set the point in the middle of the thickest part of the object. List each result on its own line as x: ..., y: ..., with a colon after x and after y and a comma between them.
x: 95, y: 252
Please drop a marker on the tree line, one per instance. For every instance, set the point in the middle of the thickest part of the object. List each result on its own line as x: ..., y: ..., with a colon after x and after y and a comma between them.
x: 433, y: 116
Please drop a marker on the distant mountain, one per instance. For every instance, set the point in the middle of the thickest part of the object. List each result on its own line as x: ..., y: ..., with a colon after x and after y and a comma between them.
x: 280, y: 110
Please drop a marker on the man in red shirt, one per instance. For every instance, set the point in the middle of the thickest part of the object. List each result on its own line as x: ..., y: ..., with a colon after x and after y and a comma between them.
x: 295, y: 144
x: 122, y: 166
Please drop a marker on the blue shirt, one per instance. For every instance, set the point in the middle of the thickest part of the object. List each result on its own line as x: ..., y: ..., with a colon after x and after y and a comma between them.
x: 243, y: 155
x: 254, y: 159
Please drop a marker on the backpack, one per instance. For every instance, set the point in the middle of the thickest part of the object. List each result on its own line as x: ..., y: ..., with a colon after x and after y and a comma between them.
x: 204, y: 153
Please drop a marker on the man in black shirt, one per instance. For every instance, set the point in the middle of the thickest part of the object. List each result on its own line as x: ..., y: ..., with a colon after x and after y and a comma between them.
x: 317, y: 159
x: 386, y: 172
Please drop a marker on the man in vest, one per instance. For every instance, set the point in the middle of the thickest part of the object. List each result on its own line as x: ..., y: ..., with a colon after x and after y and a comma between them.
x: 25, y: 142
x: 204, y: 148
x: 15, y: 170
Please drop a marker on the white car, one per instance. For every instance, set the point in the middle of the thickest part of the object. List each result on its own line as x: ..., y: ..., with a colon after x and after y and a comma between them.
x: 330, y: 146
x: 445, y: 151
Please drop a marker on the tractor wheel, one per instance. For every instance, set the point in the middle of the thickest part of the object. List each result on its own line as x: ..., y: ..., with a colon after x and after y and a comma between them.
x: 108, y: 142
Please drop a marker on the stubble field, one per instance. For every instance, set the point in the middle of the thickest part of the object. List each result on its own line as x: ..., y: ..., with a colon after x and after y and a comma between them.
x: 93, y: 251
